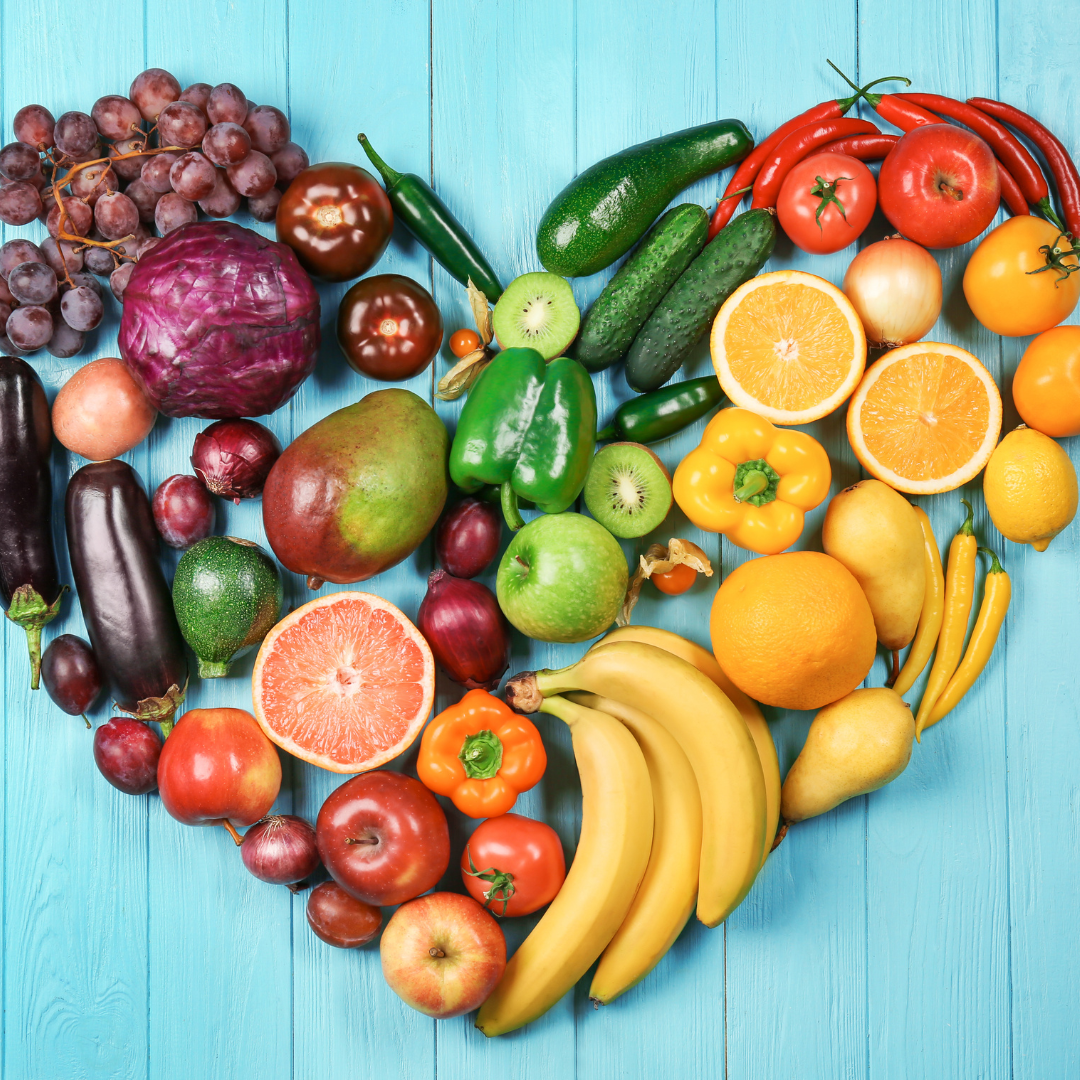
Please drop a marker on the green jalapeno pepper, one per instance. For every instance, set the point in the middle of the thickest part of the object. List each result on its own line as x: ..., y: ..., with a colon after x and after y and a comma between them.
x: 661, y: 413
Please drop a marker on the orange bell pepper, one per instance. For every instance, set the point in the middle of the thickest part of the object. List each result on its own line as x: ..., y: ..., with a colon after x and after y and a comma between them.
x: 751, y: 481
x: 481, y: 755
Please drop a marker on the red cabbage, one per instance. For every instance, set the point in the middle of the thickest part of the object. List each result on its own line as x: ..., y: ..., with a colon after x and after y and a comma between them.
x: 219, y: 322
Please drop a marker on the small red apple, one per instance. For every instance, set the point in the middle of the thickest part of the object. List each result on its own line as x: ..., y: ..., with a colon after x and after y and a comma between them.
x: 939, y: 185
x: 443, y: 954
x: 216, y: 766
x: 383, y: 837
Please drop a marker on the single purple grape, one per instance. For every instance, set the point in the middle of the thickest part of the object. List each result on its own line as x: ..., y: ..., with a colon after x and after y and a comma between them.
x: 290, y: 161
x: 223, y: 201
x: 129, y: 167
x: 264, y: 207
x: 29, y: 328
x: 19, y: 161
x: 119, y: 278
x: 76, y: 134
x: 181, y: 124
x: 77, y: 219
x: 65, y: 342
x: 255, y: 175
x: 71, y: 674
x: 226, y: 144
x: 15, y: 253
x: 192, y: 176
x: 62, y: 256
x: 227, y: 104
x: 126, y: 752
x: 82, y: 308
x: 116, y: 215
x: 32, y: 283
x: 152, y: 90
x: 172, y: 211
x: 82, y: 279
x: 155, y: 172
x: 20, y: 203
x: 198, y: 94
x: 183, y: 511
x: 94, y: 181
x: 34, y: 125
x: 268, y: 127
x: 145, y: 199
x: 99, y: 261
x: 116, y: 117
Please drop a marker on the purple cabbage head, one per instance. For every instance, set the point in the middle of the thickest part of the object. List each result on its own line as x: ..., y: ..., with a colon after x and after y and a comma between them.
x: 219, y: 322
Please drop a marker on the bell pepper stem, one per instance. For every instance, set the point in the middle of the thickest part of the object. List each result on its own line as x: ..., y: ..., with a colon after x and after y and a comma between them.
x: 481, y: 755
x: 754, y: 483
x: 508, y: 498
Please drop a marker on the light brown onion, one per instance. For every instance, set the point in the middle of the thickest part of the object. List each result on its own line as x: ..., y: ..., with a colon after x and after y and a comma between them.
x: 895, y: 286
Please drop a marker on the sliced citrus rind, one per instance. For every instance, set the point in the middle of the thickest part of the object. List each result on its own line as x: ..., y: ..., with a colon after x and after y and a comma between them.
x: 925, y: 418
x: 345, y: 682
x: 788, y: 346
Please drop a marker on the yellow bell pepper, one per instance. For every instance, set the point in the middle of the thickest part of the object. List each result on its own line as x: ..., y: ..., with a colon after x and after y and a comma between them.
x: 751, y: 481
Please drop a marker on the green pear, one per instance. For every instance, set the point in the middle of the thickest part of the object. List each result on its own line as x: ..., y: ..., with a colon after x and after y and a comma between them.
x: 874, y: 531
x: 854, y: 745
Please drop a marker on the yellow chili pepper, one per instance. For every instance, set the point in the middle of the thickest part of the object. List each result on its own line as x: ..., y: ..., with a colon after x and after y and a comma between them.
x: 997, y: 592
x: 959, y: 589
x: 752, y: 482
x: 933, y: 610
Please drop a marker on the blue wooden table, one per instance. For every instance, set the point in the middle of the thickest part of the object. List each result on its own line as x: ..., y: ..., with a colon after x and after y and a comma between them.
x: 928, y: 930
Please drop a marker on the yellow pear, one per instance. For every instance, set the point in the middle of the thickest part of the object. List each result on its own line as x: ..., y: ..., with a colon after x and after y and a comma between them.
x: 854, y: 745
x: 874, y: 531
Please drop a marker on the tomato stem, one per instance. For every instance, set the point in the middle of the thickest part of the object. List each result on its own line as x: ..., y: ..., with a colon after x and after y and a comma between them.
x: 826, y: 190
x: 1055, y: 257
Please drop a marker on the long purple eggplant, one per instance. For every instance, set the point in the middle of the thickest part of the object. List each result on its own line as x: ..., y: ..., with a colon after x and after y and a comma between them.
x: 125, y: 601
x: 29, y: 582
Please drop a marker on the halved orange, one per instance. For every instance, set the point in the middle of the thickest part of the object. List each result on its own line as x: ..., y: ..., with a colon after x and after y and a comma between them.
x: 345, y: 682
x: 925, y: 418
x: 788, y: 346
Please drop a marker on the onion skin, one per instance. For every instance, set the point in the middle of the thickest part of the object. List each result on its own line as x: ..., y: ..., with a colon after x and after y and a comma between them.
x: 466, y: 629
x: 895, y: 287
x: 233, y: 458
x: 280, y: 850
x: 467, y: 539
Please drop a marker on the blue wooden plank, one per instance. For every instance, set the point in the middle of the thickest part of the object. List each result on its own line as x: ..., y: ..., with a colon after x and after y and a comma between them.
x: 74, y: 951
x: 937, y: 845
x: 1040, y: 672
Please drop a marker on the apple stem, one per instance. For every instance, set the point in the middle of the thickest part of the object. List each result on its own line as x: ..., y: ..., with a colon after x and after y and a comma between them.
x: 436, y: 952
x: 951, y: 191
x: 361, y: 840
x: 237, y: 838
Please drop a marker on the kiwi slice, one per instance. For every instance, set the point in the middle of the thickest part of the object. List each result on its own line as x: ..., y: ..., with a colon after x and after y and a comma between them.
x: 628, y: 490
x: 537, y: 311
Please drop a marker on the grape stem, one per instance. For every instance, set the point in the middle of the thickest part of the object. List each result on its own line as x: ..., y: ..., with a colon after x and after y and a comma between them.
x: 61, y: 182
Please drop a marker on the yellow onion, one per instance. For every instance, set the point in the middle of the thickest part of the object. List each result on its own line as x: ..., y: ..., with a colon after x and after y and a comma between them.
x: 895, y: 286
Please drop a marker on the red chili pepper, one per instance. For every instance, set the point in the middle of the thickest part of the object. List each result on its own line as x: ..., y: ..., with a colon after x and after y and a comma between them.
x: 798, y: 145
x: 862, y: 147
x: 1057, y: 157
x: 891, y: 107
x: 1006, y: 146
x: 1011, y: 194
x: 751, y: 165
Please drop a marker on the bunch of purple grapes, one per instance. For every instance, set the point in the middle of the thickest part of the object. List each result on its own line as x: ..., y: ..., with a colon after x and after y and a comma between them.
x: 222, y: 150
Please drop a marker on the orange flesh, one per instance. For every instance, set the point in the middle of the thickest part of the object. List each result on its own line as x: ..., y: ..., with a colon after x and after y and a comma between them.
x: 344, y: 681
x: 926, y: 416
x: 789, y: 346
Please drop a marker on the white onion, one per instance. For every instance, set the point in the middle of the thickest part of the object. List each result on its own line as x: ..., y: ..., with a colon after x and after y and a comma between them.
x: 895, y: 286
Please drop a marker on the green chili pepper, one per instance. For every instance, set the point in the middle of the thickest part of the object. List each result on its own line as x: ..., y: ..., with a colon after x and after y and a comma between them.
x: 528, y: 427
x: 429, y: 219
x: 660, y: 413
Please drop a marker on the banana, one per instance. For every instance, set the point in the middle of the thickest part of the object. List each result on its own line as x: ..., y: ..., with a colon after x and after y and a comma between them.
x: 711, y: 733
x: 666, y: 896
x: 705, y: 662
x: 612, y: 854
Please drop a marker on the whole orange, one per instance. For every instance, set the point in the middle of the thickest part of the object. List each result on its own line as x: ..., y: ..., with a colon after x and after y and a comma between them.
x: 793, y: 630
x: 1046, y: 386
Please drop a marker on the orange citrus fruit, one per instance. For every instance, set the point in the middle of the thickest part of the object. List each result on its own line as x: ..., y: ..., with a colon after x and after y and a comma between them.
x: 793, y: 630
x: 788, y: 346
x: 925, y: 418
x: 345, y: 682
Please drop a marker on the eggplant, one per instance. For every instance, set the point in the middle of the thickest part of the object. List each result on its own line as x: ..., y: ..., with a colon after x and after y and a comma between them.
x: 29, y: 581
x: 126, y: 603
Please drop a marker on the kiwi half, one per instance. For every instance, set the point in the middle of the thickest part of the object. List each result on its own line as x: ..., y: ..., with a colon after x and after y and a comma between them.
x: 537, y: 311
x: 628, y: 490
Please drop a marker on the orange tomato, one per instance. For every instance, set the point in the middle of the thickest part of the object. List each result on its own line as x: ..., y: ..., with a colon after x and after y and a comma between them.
x: 676, y: 581
x: 1022, y: 278
x: 1046, y: 386
x: 463, y: 342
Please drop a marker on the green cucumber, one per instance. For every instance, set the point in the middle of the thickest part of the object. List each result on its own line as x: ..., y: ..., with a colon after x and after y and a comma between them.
x: 735, y: 255
x: 603, y: 212
x: 620, y: 311
x: 227, y: 594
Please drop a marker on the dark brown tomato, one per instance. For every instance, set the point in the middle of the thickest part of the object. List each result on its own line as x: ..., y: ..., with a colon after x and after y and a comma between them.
x: 337, y: 219
x: 389, y: 327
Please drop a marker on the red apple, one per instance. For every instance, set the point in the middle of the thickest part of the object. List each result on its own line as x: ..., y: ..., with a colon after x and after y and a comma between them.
x: 939, y: 185
x: 383, y: 838
x: 217, y: 766
x: 443, y: 954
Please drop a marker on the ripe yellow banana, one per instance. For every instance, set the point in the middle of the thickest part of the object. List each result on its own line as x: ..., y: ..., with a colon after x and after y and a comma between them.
x: 711, y: 733
x: 705, y: 662
x: 666, y: 896
x: 612, y: 854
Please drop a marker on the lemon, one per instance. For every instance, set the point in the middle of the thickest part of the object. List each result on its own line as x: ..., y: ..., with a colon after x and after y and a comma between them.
x: 1030, y: 488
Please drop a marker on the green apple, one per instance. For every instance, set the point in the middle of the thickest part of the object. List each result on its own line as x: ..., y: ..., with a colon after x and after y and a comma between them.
x: 562, y: 578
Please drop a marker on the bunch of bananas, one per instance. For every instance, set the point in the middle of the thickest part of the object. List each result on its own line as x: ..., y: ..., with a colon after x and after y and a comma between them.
x: 680, y: 789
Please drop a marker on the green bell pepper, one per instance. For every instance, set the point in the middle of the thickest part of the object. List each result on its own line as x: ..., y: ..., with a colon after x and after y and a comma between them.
x: 529, y: 428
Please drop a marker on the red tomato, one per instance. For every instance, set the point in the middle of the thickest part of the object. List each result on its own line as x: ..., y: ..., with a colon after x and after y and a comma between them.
x: 513, y: 865
x: 826, y: 202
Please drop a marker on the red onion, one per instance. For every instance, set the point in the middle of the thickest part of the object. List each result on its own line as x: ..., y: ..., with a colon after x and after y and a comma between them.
x: 280, y: 849
x: 468, y: 537
x: 466, y: 630
x: 233, y: 458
